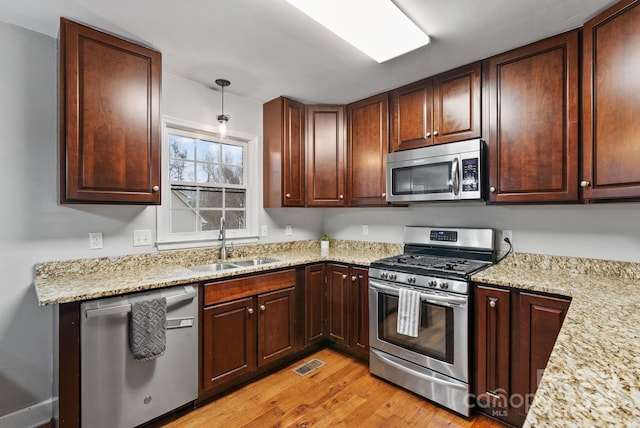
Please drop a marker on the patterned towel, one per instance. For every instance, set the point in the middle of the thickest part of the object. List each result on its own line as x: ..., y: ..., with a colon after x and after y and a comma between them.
x: 408, y: 312
x: 147, y: 329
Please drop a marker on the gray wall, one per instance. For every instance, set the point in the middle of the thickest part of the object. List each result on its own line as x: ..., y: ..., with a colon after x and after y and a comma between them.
x: 34, y: 228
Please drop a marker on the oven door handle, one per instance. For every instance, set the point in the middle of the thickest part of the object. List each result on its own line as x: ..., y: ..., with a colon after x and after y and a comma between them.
x: 430, y: 298
x: 417, y: 374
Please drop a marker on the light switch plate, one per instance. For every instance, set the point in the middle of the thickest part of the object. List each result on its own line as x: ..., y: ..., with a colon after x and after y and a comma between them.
x: 365, y: 229
x: 287, y: 230
x: 142, y: 238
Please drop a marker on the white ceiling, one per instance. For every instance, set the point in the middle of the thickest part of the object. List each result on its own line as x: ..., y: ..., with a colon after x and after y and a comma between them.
x: 267, y: 48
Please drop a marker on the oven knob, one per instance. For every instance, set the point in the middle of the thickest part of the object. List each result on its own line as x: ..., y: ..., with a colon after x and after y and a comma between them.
x: 411, y: 279
x: 444, y: 285
x: 393, y: 276
x: 383, y: 275
x: 432, y: 284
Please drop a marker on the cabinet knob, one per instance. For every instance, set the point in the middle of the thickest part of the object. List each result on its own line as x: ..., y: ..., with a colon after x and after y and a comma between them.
x: 344, y: 276
x: 353, y: 278
x: 341, y: 197
x: 584, y: 183
x: 492, y: 189
x: 288, y: 195
x: 435, y: 133
x: 263, y: 308
x: 155, y: 188
x: 492, y: 303
x: 428, y: 135
x: 250, y: 310
x: 384, y: 195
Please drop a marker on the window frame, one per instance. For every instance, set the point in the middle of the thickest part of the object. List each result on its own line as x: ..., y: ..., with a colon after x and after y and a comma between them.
x: 167, y: 240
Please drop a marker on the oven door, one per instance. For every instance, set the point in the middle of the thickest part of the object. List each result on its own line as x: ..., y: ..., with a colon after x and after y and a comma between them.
x: 442, y: 342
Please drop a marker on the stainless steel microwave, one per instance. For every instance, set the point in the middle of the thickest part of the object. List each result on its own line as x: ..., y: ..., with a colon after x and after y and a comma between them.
x: 443, y: 172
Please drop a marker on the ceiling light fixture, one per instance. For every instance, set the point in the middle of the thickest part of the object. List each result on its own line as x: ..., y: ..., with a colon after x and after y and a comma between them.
x: 376, y: 27
x: 223, y: 119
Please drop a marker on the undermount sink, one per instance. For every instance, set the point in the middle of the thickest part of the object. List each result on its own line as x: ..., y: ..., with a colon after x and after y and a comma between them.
x: 215, y: 267
x: 256, y: 262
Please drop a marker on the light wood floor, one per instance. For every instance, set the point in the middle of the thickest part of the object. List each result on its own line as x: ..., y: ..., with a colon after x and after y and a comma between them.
x: 341, y: 393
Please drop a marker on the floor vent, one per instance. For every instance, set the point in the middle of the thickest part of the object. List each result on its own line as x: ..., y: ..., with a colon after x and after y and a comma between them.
x: 308, y: 367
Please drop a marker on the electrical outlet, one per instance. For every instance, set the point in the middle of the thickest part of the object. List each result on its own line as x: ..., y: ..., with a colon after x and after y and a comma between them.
x: 95, y: 240
x: 287, y: 230
x: 504, y: 247
x: 365, y: 229
x: 142, y: 238
x: 264, y: 231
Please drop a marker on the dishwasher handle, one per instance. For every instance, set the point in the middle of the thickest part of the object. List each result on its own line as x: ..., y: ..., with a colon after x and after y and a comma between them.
x: 189, y: 293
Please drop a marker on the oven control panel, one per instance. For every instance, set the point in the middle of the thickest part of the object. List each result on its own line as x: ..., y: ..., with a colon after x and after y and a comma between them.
x: 443, y: 235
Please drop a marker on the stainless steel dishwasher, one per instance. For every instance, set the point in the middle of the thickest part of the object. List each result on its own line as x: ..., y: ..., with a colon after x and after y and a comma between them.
x: 118, y: 391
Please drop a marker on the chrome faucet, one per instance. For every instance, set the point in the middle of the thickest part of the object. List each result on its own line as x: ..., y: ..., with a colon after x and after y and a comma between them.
x: 223, y: 237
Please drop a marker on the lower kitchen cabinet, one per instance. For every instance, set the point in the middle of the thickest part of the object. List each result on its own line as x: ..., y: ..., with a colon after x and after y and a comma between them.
x: 315, y: 303
x: 515, y: 333
x: 229, y: 333
x: 247, y: 324
x: 348, y: 308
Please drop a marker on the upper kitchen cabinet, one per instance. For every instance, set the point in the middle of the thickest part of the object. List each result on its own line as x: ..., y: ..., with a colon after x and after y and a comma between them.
x: 437, y: 110
x: 325, y: 156
x: 533, y: 122
x: 611, y: 89
x: 109, y: 118
x: 284, y: 153
x: 367, y: 148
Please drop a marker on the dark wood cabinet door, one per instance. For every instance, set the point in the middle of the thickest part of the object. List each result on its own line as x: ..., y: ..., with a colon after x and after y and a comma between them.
x: 540, y: 320
x: 456, y: 104
x: 314, y: 303
x: 110, y: 118
x: 367, y: 148
x: 533, y: 122
x: 412, y: 116
x: 359, y: 332
x: 276, y: 325
x: 325, y: 156
x: 611, y: 129
x: 338, y: 303
x: 229, y: 338
x: 492, y: 320
x: 284, y: 175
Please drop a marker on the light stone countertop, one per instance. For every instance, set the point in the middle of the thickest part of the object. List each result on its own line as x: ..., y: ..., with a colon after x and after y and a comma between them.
x: 86, y: 279
x: 593, y: 374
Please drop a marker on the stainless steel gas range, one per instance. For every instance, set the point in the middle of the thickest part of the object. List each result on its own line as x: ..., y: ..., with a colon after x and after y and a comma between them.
x: 419, y: 312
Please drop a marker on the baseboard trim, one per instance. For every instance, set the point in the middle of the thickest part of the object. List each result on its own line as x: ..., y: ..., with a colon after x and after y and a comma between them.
x: 36, y: 415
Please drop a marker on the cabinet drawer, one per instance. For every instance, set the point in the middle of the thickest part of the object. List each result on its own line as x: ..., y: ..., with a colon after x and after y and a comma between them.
x: 224, y: 291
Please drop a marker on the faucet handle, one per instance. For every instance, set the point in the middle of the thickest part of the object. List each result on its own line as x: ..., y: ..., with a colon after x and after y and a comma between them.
x: 230, y: 250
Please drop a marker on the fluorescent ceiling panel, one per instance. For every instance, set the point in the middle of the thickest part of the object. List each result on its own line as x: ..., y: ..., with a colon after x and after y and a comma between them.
x: 376, y: 27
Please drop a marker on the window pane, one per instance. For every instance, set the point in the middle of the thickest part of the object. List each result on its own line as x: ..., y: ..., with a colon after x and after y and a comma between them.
x: 231, y: 154
x: 181, y: 147
x: 183, y: 221
x: 210, y: 198
x: 235, y: 219
x: 180, y: 170
x: 208, y: 173
x: 210, y: 219
x: 183, y: 197
x: 231, y: 174
x: 208, y: 151
x: 236, y: 198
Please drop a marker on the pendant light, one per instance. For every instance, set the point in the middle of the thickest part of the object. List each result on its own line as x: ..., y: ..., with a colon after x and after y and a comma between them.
x: 223, y: 119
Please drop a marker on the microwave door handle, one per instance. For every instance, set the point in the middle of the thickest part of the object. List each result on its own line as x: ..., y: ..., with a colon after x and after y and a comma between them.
x: 455, y: 176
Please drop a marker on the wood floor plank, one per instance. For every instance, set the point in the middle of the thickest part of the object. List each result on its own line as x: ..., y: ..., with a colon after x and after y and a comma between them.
x: 341, y: 393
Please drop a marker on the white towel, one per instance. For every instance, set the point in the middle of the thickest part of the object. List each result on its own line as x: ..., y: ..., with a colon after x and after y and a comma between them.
x: 408, y: 312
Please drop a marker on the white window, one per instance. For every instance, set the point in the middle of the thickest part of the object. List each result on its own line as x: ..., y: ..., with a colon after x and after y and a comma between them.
x: 206, y: 178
